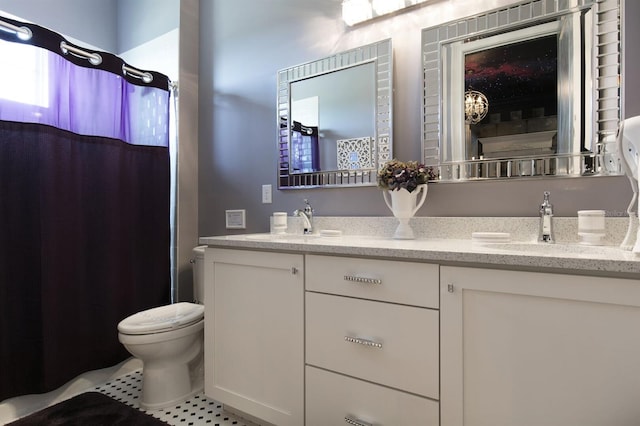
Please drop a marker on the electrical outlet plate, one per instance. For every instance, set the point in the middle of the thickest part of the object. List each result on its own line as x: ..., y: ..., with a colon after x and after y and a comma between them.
x: 236, y: 219
x: 266, y: 194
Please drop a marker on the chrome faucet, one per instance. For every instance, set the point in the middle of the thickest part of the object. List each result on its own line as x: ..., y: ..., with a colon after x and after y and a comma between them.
x: 546, y: 220
x: 307, y: 216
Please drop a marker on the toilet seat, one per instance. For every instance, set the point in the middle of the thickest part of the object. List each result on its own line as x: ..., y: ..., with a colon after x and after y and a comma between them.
x: 161, y: 319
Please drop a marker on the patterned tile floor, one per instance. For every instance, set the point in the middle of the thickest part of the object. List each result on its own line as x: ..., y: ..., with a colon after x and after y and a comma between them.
x: 196, y: 411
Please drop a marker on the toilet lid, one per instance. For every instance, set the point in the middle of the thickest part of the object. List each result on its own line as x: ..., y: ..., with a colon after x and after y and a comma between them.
x: 163, y: 318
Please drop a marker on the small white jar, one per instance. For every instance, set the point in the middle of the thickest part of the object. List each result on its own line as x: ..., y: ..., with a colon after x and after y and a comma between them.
x: 279, y: 223
x: 591, y: 226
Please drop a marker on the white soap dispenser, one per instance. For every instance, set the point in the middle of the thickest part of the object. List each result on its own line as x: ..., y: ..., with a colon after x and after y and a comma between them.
x: 546, y: 220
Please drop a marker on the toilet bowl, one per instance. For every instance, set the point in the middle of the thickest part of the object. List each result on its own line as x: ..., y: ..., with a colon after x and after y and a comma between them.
x: 169, y: 340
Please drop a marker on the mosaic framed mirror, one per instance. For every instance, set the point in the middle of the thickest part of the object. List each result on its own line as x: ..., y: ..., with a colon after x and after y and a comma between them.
x: 335, y: 119
x: 527, y: 90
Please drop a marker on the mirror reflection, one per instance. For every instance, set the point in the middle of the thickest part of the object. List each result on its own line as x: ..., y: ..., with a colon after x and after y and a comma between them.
x: 511, y: 99
x: 335, y: 118
x: 511, y: 92
x: 326, y: 111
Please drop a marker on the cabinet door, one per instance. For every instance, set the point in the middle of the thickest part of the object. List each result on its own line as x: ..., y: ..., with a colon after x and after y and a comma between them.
x: 254, y: 333
x: 531, y: 349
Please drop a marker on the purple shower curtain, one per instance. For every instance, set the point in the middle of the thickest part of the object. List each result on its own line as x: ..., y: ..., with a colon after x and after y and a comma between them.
x: 84, y: 213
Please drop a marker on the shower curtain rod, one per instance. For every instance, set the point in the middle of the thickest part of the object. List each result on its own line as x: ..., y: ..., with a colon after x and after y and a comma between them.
x: 96, y: 59
x: 24, y: 33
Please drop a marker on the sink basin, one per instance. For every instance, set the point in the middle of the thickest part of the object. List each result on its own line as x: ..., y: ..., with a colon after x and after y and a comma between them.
x: 263, y: 237
x: 552, y: 249
x: 281, y: 237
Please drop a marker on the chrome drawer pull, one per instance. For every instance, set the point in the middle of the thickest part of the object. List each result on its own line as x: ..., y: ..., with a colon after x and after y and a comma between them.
x: 362, y: 280
x: 355, y: 422
x: 363, y: 342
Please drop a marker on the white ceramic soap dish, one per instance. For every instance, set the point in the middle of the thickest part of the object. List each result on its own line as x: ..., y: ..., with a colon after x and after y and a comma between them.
x: 490, y: 237
x: 330, y: 233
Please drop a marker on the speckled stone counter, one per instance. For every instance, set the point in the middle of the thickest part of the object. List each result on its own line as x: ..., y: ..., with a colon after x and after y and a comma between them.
x: 447, y: 241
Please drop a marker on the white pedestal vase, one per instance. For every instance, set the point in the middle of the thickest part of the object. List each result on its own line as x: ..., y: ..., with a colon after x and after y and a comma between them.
x: 404, y: 205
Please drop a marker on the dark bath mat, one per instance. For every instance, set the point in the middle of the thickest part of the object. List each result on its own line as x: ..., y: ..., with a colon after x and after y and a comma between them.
x: 90, y: 408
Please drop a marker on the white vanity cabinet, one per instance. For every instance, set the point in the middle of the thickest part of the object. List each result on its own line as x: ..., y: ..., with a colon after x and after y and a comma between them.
x: 532, y: 349
x: 327, y: 337
x: 254, y: 333
x: 372, y: 342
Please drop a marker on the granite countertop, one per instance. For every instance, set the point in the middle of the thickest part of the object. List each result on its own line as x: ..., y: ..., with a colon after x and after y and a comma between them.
x: 523, y: 252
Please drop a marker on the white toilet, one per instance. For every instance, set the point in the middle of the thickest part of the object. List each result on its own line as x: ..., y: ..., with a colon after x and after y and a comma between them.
x: 169, y: 340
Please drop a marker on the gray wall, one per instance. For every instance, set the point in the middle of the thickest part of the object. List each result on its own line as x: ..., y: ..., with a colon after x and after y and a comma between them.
x: 243, y: 44
x: 142, y: 20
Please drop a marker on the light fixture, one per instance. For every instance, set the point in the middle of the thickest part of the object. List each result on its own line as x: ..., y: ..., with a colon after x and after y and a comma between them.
x: 476, y: 106
x: 356, y: 11
x: 382, y: 7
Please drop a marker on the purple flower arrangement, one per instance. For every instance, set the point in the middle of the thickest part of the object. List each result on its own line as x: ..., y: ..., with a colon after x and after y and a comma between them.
x: 395, y: 175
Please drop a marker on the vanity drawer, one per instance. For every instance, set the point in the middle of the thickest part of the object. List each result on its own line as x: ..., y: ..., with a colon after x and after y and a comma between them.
x: 409, y: 283
x: 331, y: 397
x: 342, y: 335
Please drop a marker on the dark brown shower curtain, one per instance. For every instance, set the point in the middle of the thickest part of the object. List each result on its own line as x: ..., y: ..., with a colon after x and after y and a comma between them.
x: 84, y: 218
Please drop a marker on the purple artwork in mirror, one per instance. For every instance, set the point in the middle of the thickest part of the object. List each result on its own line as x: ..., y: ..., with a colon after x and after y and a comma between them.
x: 511, y: 99
x: 517, y: 79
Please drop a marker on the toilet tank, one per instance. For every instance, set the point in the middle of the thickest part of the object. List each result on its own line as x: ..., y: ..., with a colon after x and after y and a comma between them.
x: 198, y: 274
